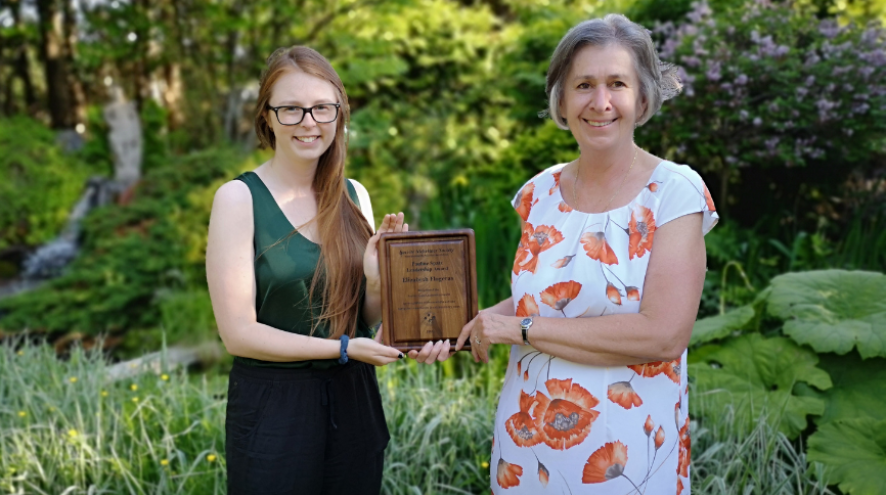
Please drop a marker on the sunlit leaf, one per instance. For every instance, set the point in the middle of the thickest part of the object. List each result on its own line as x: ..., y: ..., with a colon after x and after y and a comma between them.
x: 853, y: 452
x: 833, y: 310
x: 717, y: 327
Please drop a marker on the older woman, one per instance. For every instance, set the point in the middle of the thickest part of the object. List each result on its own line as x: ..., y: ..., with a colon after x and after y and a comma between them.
x: 595, y: 395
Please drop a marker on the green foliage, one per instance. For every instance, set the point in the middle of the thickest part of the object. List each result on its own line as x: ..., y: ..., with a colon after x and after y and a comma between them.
x: 131, y: 253
x: 720, y: 326
x: 854, y: 454
x: 752, y: 375
x: 859, y: 389
x: 40, y: 183
x: 727, y: 460
x: 833, y: 310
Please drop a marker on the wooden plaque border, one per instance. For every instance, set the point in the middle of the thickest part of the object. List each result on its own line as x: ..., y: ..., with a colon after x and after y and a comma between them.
x: 387, y: 286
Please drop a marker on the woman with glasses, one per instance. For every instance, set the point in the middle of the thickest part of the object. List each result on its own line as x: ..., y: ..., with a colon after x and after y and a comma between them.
x: 293, y: 274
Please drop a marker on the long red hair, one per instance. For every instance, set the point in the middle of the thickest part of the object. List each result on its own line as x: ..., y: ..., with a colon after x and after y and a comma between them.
x: 342, y: 228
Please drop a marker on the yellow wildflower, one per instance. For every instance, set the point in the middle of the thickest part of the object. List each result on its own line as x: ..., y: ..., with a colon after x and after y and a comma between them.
x: 164, y: 377
x: 22, y: 414
x: 485, y: 465
x: 133, y: 387
x: 104, y: 393
x: 73, y: 379
x: 211, y: 458
x: 135, y: 399
x: 21, y: 353
x: 164, y: 462
x: 72, y: 433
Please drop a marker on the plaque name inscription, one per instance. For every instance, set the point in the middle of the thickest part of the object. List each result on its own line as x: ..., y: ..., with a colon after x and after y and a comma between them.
x: 429, y: 289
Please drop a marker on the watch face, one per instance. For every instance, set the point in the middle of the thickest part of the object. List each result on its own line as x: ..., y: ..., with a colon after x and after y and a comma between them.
x: 526, y: 321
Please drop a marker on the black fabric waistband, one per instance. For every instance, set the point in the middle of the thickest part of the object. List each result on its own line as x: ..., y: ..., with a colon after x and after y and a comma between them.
x: 289, y: 374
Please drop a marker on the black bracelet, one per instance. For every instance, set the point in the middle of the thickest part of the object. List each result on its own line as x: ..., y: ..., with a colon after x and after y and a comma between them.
x: 343, y: 357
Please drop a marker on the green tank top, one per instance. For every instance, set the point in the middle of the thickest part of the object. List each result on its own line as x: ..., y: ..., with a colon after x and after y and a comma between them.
x: 283, y: 274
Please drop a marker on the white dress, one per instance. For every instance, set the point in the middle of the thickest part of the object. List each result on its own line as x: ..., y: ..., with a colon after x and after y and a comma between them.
x: 563, y: 427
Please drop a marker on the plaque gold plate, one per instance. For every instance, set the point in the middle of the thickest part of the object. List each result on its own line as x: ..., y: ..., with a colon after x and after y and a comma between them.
x: 429, y: 286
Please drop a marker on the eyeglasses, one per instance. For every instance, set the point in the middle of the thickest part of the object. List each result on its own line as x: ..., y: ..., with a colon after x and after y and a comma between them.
x: 293, y: 115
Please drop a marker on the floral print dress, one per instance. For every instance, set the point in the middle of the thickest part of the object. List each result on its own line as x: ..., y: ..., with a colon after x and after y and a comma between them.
x: 563, y: 427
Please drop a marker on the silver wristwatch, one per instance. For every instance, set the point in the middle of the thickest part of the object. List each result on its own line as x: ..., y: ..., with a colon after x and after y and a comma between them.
x: 524, y: 327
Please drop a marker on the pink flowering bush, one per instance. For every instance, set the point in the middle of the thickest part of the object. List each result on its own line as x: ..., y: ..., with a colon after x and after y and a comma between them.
x: 768, y: 86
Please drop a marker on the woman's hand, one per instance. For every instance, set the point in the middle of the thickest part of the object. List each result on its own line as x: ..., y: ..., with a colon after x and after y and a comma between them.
x: 432, y: 352
x: 372, y: 351
x: 391, y: 223
x: 489, y: 328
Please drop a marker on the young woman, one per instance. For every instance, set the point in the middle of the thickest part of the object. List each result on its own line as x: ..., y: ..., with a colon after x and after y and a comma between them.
x: 293, y: 273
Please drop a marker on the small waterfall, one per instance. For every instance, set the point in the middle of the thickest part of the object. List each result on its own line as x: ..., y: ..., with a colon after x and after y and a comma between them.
x: 49, y: 260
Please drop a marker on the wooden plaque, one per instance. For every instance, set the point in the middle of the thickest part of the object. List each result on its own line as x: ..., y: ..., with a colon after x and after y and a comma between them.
x: 429, y: 286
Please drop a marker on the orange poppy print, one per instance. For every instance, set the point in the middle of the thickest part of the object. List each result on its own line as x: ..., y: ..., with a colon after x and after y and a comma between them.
x: 556, y: 176
x: 641, y: 230
x: 527, y: 306
x: 606, y: 463
x: 659, y: 438
x: 623, y: 394
x: 613, y: 294
x: 559, y: 295
x: 655, y: 368
x: 544, y: 476
x: 564, y: 207
x: 508, y: 475
x: 523, y: 201
x: 544, y: 237
x: 522, y: 428
x: 685, y: 450
x: 649, y: 425
x: 679, y: 486
x: 567, y: 419
x: 633, y: 293
x: 522, y: 256
x: 597, y: 248
x: 653, y: 186
x: 560, y: 263
x: 709, y: 201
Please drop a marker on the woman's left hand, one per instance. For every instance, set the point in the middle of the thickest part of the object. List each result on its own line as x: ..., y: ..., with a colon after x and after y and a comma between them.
x: 391, y: 223
x: 489, y: 328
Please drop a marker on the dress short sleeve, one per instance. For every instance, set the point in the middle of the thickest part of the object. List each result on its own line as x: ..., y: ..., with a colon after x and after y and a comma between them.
x: 683, y: 192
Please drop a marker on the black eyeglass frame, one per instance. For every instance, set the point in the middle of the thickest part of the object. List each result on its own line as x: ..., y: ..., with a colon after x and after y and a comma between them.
x: 305, y: 111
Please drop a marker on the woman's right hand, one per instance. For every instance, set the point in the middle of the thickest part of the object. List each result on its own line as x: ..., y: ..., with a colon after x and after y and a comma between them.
x: 372, y: 352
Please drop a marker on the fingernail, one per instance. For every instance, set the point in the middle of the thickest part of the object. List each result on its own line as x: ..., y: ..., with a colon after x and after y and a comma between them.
x: 400, y: 356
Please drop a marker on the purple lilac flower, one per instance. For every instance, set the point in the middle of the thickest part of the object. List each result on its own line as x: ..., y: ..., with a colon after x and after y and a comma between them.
x: 771, y: 144
x: 743, y: 115
x: 810, y: 81
x: 741, y: 80
x: 801, y: 91
x: 866, y: 72
x: 812, y: 59
x: 829, y: 28
x: 713, y: 72
x: 758, y: 121
x: 691, y: 61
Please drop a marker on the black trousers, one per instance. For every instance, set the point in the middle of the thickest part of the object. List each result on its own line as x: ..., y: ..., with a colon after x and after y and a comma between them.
x: 304, y: 431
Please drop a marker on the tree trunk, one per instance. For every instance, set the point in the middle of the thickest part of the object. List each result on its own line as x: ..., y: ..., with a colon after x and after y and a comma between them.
x: 58, y: 91
x: 21, y: 63
x: 173, y: 90
x: 69, y: 45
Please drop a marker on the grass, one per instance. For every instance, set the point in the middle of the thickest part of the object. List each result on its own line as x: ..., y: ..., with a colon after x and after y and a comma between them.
x: 65, y: 429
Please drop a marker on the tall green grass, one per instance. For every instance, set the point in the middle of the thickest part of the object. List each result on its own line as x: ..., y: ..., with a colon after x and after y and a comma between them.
x: 65, y: 429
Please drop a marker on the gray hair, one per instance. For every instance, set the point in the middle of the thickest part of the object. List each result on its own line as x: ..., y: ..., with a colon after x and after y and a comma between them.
x: 658, y: 81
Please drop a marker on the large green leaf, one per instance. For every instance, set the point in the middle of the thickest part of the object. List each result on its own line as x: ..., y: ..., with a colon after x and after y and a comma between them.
x: 755, y: 376
x: 853, y: 452
x: 833, y: 310
x: 717, y: 327
x: 859, y: 388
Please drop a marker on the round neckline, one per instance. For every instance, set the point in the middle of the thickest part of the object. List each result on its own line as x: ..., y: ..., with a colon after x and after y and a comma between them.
x: 280, y: 210
x: 633, y: 199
